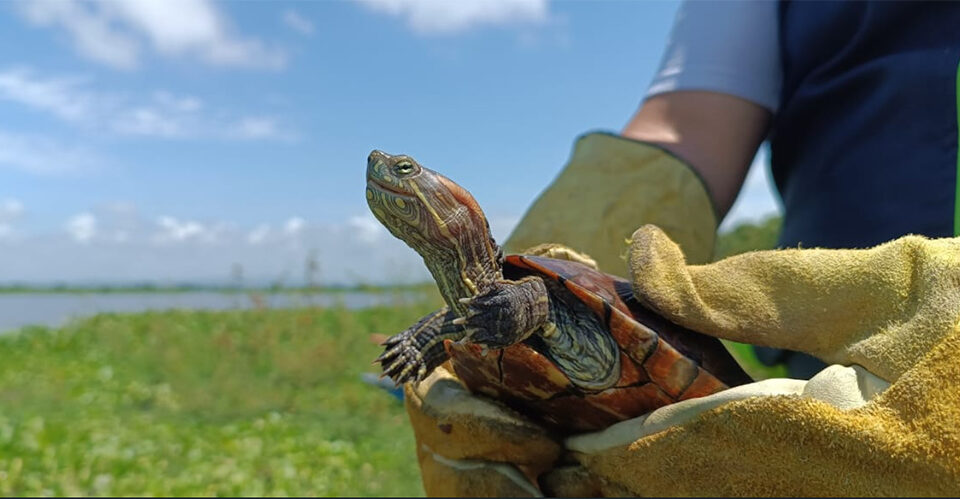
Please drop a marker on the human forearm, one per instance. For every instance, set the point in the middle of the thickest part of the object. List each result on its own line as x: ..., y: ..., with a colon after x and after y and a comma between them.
x: 717, y: 134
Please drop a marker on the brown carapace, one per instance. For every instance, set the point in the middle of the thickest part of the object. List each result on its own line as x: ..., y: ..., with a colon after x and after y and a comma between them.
x: 555, y: 339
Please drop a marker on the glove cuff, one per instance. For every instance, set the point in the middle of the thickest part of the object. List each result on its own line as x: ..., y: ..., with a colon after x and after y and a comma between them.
x: 611, y: 186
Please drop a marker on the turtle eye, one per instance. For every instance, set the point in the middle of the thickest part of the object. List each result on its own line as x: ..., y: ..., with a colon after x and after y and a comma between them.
x: 404, y: 168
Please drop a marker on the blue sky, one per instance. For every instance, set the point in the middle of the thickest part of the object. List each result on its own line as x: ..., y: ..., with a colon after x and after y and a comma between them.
x: 171, y: 141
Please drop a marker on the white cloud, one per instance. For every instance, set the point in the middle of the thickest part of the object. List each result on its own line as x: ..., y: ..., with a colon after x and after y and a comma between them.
x: 119, y: 221
x: 259, y: 234
x: 256, y: 128
x: 111, y: 32
x: 184, y: 104
x: 174, y: 230
x: 263, y: 233
x: 82, y: 227
x: 367, y: 228
x: 44, y: 156
x: 111, y: 243
x: 148, y: 122
x: 446, y: 16
x: 59, y: 96
x: 294, y: 226
x: 91, y: 31
x: 296, y: 21
x: 161, y: 114
x: 10, y: 210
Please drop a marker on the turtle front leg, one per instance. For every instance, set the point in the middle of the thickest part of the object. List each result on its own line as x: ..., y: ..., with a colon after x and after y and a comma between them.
x: 506, y: 314
x: 418, y: 350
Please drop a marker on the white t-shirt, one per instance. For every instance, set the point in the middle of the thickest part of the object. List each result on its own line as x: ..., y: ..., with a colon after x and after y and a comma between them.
x: 730, y: 47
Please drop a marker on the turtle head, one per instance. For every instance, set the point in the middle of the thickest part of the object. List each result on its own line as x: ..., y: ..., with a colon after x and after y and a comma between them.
x: 435, y: 216
x: 426, y: 210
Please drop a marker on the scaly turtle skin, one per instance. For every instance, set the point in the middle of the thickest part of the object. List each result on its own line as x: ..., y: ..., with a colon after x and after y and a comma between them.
x: 555, y: 339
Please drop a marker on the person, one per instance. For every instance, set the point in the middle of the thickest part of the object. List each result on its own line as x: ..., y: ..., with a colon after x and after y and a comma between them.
x: 859, y: 102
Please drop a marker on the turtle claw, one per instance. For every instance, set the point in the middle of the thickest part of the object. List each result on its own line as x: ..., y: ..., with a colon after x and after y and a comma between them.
x: 459, y: 321
x: 393, y: 340
x: 387, y: 342
x: 404, y: 375
x: 485, y: 339
x: 400, y: 362
x: 412, y: 354
x: 393, y: 369
x: 389, y: 354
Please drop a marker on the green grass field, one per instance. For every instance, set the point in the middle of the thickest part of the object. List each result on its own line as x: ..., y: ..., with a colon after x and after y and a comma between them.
x: 259, y: 402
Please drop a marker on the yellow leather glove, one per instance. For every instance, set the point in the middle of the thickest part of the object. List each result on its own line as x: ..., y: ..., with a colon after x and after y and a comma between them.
x: 611, y: 186
x: 883, y: 420
x: 474, y: 446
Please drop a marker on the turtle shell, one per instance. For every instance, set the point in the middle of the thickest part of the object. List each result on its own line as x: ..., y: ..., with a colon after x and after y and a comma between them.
x: 661, y: 362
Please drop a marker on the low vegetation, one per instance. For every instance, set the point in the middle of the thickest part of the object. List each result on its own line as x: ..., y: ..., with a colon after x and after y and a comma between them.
x: 258, y: 402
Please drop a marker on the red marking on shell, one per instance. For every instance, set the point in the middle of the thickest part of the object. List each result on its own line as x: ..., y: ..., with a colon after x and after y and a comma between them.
x: 669, y: 369
x: 589, y: 285
x: 635, y: 339
x: 528, y: 374
x: 599, y: 410
x: 589, y: 299
x: 524, y: 372
x: 574, y: 413
x: 529, y: 262
x: 631, y: 401
x: 598, y: 287
x: 630, y: 372
x: 704, y: 384
x: 478, y: 373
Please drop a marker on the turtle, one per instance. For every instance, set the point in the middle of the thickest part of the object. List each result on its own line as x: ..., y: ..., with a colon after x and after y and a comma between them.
x: 555, y: 339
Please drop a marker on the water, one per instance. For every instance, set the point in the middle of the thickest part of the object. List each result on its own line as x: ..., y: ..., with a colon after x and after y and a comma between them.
x: 55, y: 309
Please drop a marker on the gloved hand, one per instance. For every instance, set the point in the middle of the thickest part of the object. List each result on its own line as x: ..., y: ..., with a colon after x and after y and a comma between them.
x: 474, y: 446
x: 888, y: 424
x: 611, y: 186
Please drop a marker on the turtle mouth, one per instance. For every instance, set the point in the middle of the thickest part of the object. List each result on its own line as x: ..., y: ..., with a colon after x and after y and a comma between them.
x: 378, y: 186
